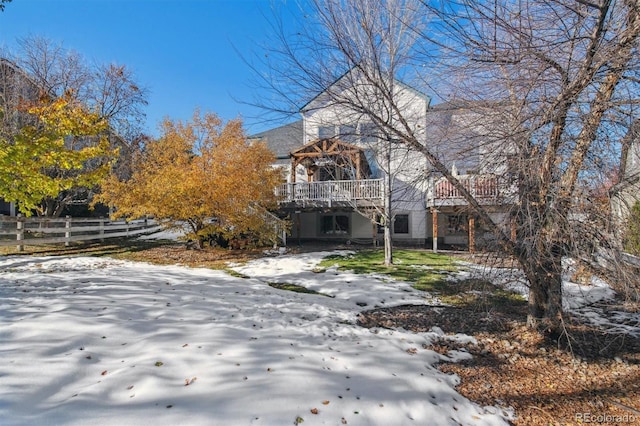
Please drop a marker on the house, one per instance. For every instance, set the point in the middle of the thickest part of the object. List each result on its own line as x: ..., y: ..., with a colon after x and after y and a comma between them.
x: 339, y: 168
x: 18, y: 89
x: 15, y: 88
x: 626, y: 192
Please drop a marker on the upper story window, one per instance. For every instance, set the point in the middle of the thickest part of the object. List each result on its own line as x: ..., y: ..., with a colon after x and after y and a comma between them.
x: 368, y: 133
x: 348, y: 134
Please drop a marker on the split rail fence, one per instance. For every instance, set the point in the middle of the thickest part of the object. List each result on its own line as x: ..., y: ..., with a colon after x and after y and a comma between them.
x: 22, y: 231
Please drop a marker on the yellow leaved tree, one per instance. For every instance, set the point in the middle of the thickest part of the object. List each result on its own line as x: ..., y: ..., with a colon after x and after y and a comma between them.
x: 64, y: 146
x: 202, y: 174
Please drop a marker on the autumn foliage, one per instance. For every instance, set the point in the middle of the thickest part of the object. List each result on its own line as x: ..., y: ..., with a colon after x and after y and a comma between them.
x: 65, y: 147
x: 204, y: 174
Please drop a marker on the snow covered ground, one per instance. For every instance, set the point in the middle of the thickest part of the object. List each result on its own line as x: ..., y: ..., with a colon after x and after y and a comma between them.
x: 99, y: 341
x: 582, y: 300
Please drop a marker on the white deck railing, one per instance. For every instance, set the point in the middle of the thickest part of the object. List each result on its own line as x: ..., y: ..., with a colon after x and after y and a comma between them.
x: 329, y: 191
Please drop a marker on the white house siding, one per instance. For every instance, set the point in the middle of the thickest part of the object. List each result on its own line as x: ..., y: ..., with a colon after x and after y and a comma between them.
x: 626, y: 193
x: 456, y: 133
x: 323, y: 119
x: 418, y: 228
x: 362, y: 228
x: 308, y: 225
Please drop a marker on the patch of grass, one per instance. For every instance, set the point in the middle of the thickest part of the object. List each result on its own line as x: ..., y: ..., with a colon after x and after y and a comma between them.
x: 480, y: 295
x: 430, y: 272
x: 235, y: 274
x: 295, y: 288
x: 424, y: 269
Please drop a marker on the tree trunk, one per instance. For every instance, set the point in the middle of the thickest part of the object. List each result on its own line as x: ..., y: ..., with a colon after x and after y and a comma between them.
x: 545, y: 293
x: 388, y: 244
x: 388, y: 219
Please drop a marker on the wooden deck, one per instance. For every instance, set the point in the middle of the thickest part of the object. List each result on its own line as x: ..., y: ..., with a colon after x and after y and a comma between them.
x: 486, y: 189
x: 331, y: 193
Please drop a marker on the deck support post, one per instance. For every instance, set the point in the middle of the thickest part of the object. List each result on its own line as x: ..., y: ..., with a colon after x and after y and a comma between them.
x: 472, y: 234
x: 434, y: 219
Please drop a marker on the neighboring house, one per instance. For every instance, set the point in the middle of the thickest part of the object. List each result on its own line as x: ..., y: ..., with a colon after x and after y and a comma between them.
x: 18, y: 88
x: 339, y: 168
x: 6, y: 208
x: 627, y: 191
x: 15, y: 88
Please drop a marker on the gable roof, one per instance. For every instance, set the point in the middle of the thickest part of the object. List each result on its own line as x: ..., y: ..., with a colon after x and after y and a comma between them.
x: 306, y: 107
x: 282, y: 140
x: 323, y: 147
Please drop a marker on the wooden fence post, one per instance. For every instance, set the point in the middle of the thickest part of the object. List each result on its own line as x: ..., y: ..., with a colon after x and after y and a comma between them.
x: 20, y: 232
x: 67, y: 233
x: 101, y: 226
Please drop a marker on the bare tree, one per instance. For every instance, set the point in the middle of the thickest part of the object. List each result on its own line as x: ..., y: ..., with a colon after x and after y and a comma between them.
x: 352, y: 54
x: 561, y: 76
x: 120, y: 98
x: 568, y: 73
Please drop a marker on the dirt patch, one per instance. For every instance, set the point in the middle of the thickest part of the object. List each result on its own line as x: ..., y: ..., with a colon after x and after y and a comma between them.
x: 592, y: 377
x: 208, y: 257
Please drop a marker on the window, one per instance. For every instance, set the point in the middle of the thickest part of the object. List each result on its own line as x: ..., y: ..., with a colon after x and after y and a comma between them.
x: 334, y: 225
x: 327, y: 173
x: 325, y: 132
x: 5, y: 207
x: 368, y: 133
x: 457, y: 224
x: 348, y: 134
x: 401, y: 224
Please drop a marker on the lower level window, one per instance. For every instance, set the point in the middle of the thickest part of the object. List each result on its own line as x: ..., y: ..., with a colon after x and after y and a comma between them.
x: 335, y: 225
x: 401, y: 224
x: 457, y: 224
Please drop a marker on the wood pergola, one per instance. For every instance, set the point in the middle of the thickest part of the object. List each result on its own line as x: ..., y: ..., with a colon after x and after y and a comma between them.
x: 335, y: 151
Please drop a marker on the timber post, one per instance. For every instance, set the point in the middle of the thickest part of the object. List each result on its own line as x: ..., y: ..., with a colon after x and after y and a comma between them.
x: 472, y: 234
x: 434, y: 219
x: 298, y: 227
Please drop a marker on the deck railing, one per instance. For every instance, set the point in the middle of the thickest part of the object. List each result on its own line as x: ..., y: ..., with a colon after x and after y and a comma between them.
x: 484, y: 188
x: 478, y: 186
x: 329, y: 191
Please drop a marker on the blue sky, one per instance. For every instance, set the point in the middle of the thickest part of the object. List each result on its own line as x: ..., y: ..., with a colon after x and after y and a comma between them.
x: 184, y: 51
